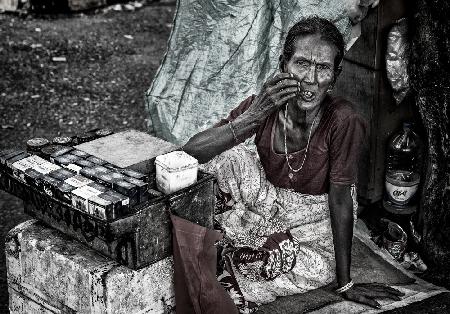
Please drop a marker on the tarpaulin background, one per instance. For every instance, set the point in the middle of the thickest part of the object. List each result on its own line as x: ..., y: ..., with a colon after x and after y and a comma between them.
x: 220, y: 52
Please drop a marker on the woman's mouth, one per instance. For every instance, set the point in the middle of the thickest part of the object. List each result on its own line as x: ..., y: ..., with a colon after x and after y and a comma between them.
x: 307, y: 95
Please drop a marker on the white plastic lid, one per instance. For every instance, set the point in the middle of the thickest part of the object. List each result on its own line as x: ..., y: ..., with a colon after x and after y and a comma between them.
x: 176, y: 161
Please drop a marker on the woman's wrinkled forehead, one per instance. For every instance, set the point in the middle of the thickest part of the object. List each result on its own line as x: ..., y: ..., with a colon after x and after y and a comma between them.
x: 315, y: 49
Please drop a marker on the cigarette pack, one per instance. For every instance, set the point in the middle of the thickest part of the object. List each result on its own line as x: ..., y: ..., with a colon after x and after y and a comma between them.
x: 105, y: 179
x: 124, y: 200
x: 142, y: 188
x: 78, y: 181
x: 64, y: 192
x: 116, y: 175
x: 12, y: 160
x: 61, y: 151
x: 101, y: 208
x: 128, y: 189
x: 72, y: 158
x: 62, y: 174
x: 74, y: 168
x: 18, y: 168
x: 101, y: 169
x: 134, y: 174
x: 8, y: 155
x: 96, y: 160
x: 50, y: 185
x: 98, y: 187
x: 33, y: 178
x: 41, y: 165
x: 80, y: 153
x: 83, y: 163
x: 81, y: 196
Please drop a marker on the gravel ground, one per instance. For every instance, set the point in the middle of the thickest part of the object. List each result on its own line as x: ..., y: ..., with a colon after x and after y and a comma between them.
x: 111, y: 58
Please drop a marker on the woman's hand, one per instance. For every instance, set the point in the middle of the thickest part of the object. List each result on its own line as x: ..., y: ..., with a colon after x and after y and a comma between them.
x: 275, y: 92
x: 366, y: 293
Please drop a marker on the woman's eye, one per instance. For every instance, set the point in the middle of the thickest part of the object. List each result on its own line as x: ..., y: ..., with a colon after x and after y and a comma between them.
x: 322, y: 67
x: 302, y: 63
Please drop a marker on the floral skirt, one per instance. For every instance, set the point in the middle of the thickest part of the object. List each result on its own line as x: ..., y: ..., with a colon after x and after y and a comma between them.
x: 277, y: 242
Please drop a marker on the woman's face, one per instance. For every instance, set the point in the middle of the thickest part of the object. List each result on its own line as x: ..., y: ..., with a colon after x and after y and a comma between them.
x: 313, y: 64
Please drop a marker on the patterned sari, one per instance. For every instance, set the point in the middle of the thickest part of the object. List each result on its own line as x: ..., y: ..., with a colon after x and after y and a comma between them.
x: 277, y: 242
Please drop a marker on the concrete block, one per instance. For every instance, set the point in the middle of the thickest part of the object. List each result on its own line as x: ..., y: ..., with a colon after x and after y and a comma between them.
x: 49, y: 272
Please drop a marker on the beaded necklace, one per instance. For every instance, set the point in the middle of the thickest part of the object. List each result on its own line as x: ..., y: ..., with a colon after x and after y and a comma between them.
x: 285, y: 140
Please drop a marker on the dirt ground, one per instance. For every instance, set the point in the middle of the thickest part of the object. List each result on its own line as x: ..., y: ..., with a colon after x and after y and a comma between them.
x: 111, y: 59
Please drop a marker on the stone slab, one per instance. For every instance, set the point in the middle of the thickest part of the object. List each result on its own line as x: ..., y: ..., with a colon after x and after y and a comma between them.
x: 129, y: 149
x: 49, y: 272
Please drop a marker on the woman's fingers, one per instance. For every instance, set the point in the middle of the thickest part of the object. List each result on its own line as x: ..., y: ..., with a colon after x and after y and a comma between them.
x: 383, y: 287
x: 364, y: 300
x: 383, y: 295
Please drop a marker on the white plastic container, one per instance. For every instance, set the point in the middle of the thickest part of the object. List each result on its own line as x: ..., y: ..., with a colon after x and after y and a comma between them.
x: 174, y: 171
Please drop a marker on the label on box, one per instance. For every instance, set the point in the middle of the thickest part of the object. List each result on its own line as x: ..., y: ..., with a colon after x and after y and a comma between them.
x: 46, y: 168
x: 78, y: 181
x: 74, y: 167
x: 81, y: 197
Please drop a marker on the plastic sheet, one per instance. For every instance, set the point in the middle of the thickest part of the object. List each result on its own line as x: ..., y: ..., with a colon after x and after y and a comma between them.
x: 397, y: 57
x: 220, y: 52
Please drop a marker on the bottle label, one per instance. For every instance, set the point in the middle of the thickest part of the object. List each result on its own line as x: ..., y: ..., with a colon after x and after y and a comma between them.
x: 400, y: 193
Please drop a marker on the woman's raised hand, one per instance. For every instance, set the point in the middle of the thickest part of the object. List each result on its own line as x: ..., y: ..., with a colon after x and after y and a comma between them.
x: 274, y: 93
x: 366, y: 293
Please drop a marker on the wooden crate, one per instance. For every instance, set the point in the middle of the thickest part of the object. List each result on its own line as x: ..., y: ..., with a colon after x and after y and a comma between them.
x: 137, y: 240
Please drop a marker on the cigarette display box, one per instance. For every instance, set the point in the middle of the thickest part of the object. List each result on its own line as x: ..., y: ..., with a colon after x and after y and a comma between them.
x: 132, y: 227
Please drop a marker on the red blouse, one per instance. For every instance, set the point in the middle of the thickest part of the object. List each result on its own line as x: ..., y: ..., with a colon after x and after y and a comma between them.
x: 332, y: 155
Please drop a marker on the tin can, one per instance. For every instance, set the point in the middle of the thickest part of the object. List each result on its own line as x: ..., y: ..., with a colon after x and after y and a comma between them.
x: 35, y: 145
x: 62, y: 140
x: 104, y: 132
x: 86, y: 137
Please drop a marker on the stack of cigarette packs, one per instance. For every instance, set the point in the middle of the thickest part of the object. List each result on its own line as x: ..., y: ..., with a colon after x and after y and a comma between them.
x: 89, y: 184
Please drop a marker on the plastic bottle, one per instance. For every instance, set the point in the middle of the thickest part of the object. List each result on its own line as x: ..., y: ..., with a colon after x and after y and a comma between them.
x: 403, y: 167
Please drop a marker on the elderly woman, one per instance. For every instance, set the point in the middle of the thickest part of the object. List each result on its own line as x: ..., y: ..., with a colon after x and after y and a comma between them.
x: 288, y: 210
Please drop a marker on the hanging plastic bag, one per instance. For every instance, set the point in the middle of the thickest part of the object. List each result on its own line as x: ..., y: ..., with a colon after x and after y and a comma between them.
x: 397, y: 59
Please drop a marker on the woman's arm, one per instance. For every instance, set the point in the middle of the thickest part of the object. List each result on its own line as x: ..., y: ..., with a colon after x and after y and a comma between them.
x: 341, y: 213
x: 209, y: 143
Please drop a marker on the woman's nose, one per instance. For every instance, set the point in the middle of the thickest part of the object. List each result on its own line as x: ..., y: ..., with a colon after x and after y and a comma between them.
x: 310, y: 76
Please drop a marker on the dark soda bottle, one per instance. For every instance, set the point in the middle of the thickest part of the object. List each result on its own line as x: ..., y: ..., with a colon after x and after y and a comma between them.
x: 403, y: 168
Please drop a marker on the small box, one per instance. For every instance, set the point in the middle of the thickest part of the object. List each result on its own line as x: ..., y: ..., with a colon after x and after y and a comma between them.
x: 62, y: 174
x: 101, y: 169
x: 43, y: 166
x: 142, y: 188
x: 64, y: 192
x: 128, y: 189
x: 71, y: 157
x: 33, y: 178
x: 80, y: 153
x: 134, y: 174
x: 81, y: 196
x: 101, y: 208
x: 96, y: 160
x: 12, y: 160
x: 9, y: 154
x: 83, y: 163
x: 105, y: 179
x: 122, y: 202
x: 174, y: 171
x: 78, y: 181
x: 61, y: 151
x: 74, y: 168
x: 19, y: 167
